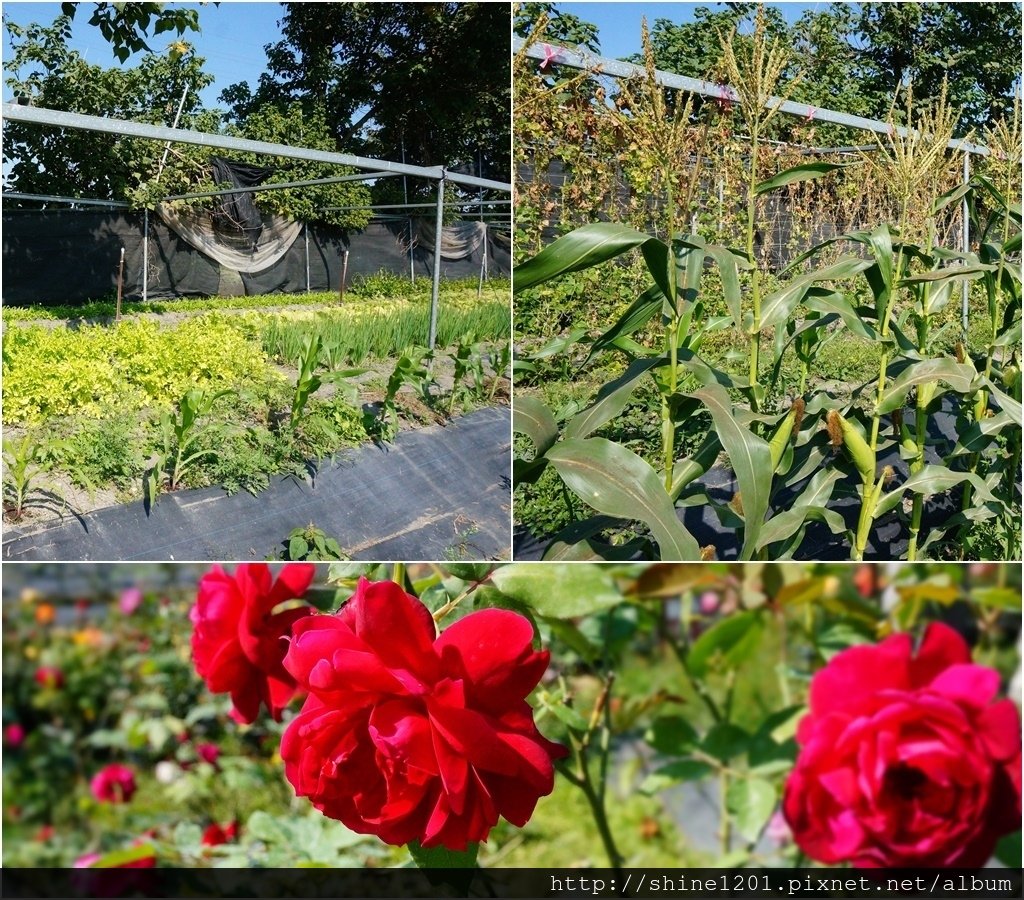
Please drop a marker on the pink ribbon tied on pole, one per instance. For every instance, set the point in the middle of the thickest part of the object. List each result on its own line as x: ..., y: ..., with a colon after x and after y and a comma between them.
x: 551, y: 55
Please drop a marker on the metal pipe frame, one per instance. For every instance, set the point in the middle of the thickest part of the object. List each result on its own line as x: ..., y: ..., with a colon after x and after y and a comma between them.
x: 48, y: 198
x: 281, y: 185
x: 435, y: 284
x: 58, y: 119
x: 578, y: 60
x: 414, y: 205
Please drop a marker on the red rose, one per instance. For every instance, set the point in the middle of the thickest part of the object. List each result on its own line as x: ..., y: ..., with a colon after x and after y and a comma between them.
x: 906, y: 760
x: 49, y: 677
x: 113, y: 784
x: 209, y: 753
x: 409, y: 737
x: 237, y: 643
x: 214, y: 834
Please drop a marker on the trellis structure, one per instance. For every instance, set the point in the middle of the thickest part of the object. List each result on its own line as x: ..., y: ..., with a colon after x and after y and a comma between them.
x: 554, y: 54
x: 370, y: 169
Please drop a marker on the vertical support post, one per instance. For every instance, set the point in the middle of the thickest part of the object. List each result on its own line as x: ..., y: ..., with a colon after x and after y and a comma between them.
x: 344, y: 276
x: 305, y: 233
x: 965, y: 243
x: 483, y: 263
x: 721, y: 203
x: 412, y: 257
x: 120, y: 286
x: 145, y: 255
x: 436, y: 284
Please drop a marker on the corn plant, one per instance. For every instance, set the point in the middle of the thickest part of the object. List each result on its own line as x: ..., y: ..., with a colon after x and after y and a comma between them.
x: 789, y: 458
x: 996, y: 412
x: 179, y: 432
x: 411, y: 369
x: 499, y: 358
x: 309, y: 381
x: 24, y: 483
x: 769, y: 452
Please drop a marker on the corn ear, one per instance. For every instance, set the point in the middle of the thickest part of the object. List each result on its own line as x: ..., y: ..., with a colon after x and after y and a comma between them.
x: 850, y: 437
x: 907, y: 441
x: 785, y: 431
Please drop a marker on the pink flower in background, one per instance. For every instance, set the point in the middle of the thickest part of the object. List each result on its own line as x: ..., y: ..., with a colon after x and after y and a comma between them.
x: 208, y: 753
x: 14, y: 735
x: 130, y: 600
x: 49, y: 677
x: 238, y: 641
x: 146, y: 860
x: 709, y: 602
x: 907, y: 757
x: 777, y: 829
x: 114, y: 783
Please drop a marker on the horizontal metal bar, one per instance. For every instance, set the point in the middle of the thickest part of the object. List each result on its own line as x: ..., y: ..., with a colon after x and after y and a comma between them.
x: 580, y: 60
x: 280, y: 186
x: 58, y: 119
x: 419, y: 205
x: 47, y: 198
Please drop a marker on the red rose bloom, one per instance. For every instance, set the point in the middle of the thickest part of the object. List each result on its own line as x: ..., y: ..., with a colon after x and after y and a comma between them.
x: 906, y: 759
x: 113, y: 784
x: 208, y: 753
x: 214, y: 834
x: 49, y: 677
x: 237, y: 643
x: 409, y: 737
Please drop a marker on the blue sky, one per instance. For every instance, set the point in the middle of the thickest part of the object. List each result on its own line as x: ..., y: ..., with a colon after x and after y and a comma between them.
x: 231, y: 40
x: 619, y: 23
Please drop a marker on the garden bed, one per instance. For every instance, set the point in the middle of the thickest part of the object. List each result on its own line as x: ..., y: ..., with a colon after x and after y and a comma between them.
x: 453, y: 504
x: 234, y: 399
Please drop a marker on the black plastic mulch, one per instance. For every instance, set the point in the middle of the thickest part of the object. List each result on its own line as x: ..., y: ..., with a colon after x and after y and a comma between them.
x: 889, y: 537
x: 437, y: 493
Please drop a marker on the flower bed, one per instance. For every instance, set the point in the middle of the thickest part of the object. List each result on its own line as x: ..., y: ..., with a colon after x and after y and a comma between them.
x: 515, y: 715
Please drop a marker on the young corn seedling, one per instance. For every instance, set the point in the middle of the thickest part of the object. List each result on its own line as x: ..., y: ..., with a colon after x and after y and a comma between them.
x: 309, y: 381
x: 24, y: 484
x: 179, y: 432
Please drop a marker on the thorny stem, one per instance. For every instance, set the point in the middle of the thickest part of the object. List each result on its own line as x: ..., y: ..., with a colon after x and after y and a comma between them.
x: 582, y: 778
x: 455, y: 601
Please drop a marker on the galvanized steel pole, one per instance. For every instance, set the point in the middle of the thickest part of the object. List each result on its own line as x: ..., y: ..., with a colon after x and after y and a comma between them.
x: 436, y: 285
x: 145, y: 255
x: 58, y: 119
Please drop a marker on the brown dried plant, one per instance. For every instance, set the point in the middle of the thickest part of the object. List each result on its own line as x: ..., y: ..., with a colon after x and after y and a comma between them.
x: 1003, y: 165
x: 668, y: 138
x: 914, y: 162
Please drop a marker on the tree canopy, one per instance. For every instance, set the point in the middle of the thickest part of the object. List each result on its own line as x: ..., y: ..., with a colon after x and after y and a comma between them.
x: 853, y: 57
x: 425, y: 81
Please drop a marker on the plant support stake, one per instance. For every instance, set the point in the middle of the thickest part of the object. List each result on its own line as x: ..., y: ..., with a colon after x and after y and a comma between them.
x: 435, y: 286
x: 120, y: 285
x: 344, y: 275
